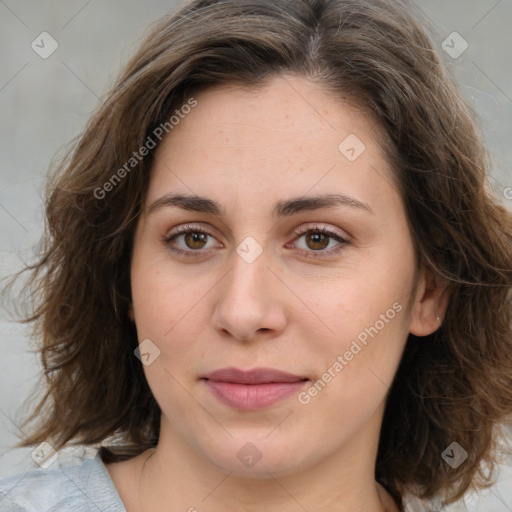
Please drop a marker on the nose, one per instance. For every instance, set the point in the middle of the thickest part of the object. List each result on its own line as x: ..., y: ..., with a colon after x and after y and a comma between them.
x: 250, y: 300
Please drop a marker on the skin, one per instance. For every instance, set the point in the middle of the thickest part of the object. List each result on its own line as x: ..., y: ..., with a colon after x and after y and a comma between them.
x: 248, y: 149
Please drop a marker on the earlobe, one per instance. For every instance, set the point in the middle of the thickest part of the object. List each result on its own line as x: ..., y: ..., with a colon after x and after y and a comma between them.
x: 430, y: 304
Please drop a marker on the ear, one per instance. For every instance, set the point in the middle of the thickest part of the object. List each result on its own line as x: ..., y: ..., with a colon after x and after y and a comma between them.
x: 430, y: 303
x: 131, y: 313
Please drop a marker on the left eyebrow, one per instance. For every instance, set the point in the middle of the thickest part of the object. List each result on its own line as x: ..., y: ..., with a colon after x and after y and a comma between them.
x: 200, y: 204
x: 310, y: 203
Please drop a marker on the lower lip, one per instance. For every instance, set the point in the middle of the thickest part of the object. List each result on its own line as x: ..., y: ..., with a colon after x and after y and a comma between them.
x: 251, y: 397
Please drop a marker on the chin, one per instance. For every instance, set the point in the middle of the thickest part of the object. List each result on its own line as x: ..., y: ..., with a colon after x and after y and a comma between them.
x: 258, y: 458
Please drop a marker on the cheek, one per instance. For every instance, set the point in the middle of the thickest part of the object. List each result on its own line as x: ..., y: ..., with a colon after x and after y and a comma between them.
x: 354, y: 302
x: 161, y: 295
x: 166, y: 312
x: 365, y: 341
x: 367, y: 317
x: 356, y: 370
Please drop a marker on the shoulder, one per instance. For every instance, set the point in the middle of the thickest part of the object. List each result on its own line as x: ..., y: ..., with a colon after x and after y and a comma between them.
x: 82, y: 487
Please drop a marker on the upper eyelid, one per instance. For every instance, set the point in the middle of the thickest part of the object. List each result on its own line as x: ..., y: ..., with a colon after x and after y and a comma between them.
x: 304, y: 228
x: 183, y: 228
x: 299, y: 231
x: 322, y: 227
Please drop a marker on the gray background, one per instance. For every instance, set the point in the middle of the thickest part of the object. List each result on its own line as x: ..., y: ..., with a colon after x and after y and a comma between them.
x: 46, y: 102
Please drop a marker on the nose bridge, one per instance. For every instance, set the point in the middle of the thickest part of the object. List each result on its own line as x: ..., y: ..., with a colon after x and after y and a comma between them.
x: 247, y: 301
x: 250, y: 269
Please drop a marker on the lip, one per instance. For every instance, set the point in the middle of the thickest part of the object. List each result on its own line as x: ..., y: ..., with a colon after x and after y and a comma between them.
x: 253, y: 389
x: 254, y: 376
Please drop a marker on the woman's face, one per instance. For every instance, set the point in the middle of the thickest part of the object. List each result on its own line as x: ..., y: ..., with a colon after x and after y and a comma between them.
x: 240, y: 277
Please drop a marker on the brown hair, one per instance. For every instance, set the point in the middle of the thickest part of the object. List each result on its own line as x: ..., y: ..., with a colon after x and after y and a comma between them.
x: 452, y: 386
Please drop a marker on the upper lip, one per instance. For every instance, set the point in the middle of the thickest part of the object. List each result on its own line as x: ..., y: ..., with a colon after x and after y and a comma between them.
x: 254, y: 376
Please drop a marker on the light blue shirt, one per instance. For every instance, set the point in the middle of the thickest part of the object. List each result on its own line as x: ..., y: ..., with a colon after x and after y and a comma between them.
x: 80, y: 488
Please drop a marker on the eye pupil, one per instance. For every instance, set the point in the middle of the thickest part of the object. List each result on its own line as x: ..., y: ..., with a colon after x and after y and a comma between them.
x: 319, y: 240
x: 193, y: 237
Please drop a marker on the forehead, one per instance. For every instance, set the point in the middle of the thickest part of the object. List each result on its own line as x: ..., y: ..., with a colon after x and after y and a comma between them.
x: 288, y: 134
x: 288, y: 105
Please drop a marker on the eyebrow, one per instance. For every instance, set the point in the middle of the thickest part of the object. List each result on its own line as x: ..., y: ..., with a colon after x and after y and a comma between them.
x: 200, y: 204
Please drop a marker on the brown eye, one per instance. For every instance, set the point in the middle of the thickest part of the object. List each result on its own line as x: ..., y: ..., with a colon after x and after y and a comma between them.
x: 188, y: 240
x: 317, y: 241
x: 195, y: 240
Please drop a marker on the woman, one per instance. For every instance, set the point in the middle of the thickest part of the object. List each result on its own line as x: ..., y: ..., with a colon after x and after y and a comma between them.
x: 274, y: 278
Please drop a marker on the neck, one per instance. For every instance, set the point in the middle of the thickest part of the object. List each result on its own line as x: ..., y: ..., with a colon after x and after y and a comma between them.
x: 181, y: 478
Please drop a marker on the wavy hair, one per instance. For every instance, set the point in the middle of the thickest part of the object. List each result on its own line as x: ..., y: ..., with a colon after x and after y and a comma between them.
x: 452, y: 386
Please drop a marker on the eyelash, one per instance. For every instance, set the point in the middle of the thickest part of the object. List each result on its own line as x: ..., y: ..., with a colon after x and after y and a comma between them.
x: 299, y: 232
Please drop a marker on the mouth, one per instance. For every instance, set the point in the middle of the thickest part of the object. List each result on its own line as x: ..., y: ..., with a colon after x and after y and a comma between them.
x: 254, y: 389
